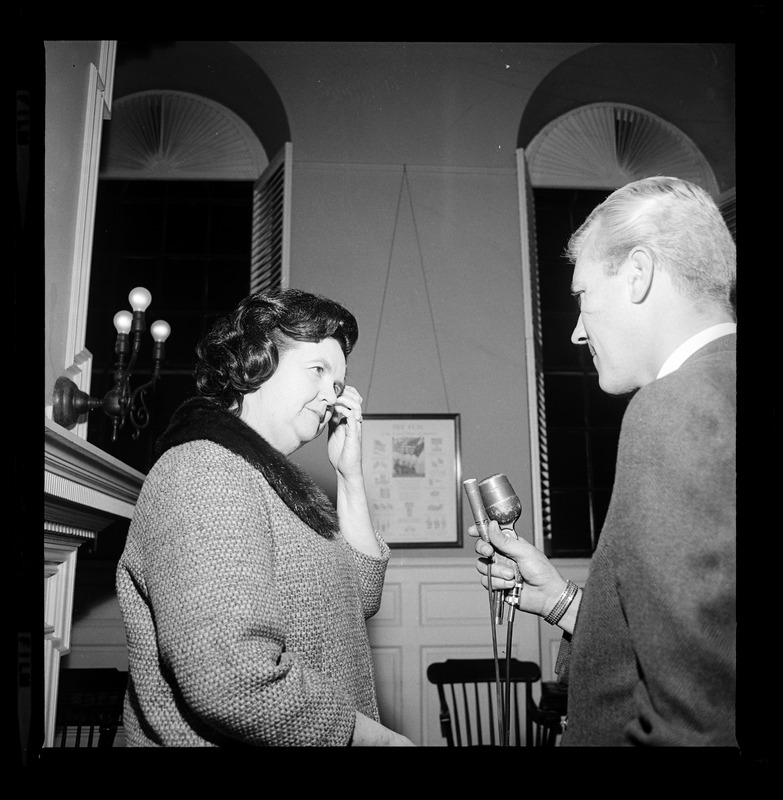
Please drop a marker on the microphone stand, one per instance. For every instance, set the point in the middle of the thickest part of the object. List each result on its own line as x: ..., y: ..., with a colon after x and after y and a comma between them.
x: 494, y: 498
x: 504, y: 506
x: 482, y: 526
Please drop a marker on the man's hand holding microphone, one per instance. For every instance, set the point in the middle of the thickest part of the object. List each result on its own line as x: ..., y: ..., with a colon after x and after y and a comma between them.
x: 543, y: 586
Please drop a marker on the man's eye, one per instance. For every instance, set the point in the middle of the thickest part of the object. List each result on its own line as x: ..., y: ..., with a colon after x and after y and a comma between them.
x: 319, y: 369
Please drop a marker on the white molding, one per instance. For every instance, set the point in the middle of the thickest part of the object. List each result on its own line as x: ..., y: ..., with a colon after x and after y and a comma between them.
x: 106, y: 62
x: 79, y: 472
x: 59, y: 578
x: 445, y: 169
x: 85, y: 489
x: 83, y: 234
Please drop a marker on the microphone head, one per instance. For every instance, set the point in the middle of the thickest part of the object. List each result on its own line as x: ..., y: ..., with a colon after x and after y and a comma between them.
x: 474, y: 498
x: 500, y: 500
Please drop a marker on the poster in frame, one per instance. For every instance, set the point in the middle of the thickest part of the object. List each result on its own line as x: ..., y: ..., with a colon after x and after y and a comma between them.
x: 412, y: 472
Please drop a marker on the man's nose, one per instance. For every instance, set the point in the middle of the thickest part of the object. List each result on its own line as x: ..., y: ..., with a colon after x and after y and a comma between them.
x: 579, y: 336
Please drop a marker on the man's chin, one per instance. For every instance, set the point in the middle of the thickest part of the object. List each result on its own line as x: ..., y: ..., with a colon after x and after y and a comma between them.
x: 616, y: 388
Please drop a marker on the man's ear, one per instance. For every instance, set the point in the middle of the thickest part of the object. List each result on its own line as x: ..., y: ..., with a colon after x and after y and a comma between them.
x: 640, y: 274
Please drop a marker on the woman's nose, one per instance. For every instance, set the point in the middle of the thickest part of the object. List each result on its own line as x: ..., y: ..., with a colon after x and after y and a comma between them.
x: 579, y: 336
x: 329, y: 393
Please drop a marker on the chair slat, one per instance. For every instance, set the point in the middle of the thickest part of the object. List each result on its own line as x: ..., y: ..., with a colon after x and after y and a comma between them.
x: 90, y: 704
x: 472, y: 682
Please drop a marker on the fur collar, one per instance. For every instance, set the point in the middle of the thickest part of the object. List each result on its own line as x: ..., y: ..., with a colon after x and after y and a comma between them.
x: 199, y: 418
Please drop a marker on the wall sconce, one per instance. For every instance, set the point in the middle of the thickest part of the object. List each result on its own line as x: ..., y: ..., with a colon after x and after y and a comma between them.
x: 119, y: 403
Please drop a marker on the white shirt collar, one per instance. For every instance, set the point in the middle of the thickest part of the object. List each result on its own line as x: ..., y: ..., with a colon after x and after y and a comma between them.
x: 690, y: 346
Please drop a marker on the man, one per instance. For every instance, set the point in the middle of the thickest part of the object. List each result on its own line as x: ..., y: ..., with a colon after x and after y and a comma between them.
x: 648, y: 650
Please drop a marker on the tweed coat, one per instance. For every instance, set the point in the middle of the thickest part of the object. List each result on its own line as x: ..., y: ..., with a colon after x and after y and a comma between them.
x: 243, y: 604
x: 652, y: 659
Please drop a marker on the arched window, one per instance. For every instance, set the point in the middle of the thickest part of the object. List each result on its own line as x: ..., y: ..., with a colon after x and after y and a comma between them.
x: 565, y: 171
x: 189, y: 206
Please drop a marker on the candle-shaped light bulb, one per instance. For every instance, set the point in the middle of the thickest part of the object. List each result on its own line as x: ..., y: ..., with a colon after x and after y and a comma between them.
x: 160, y: 330
x: 122, y: 321
x: 139, y: 298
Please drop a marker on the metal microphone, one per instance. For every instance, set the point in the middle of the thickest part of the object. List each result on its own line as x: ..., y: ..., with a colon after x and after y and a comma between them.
x: 477, y: 507
x: 503, y: 505
x: 494, y: 498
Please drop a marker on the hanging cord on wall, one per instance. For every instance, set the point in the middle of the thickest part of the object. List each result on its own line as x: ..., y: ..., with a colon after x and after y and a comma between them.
x: 405, y: 183
x: 383, y: 297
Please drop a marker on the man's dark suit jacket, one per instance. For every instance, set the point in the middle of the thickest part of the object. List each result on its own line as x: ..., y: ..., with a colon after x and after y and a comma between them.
x: 652, y: 656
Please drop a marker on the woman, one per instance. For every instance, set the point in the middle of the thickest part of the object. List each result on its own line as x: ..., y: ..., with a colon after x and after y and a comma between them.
x: 227, y: 643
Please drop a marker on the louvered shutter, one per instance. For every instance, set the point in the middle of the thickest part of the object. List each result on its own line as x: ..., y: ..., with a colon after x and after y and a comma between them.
x: 727, y: 203
x: 271, y: 235
x: 542, y: 516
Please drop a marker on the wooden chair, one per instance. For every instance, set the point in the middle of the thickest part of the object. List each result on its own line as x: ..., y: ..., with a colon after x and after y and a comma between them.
x: 548, y: 715
x: 89, y: 701
x: 467, y: 693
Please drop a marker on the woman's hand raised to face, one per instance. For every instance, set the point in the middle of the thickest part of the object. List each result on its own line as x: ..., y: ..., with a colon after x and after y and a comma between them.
x: 345, y: 434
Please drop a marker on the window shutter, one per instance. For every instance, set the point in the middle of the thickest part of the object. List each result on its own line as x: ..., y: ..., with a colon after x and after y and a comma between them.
x: 727, y: 203
x: 542, y: 515
x: 271, y: 235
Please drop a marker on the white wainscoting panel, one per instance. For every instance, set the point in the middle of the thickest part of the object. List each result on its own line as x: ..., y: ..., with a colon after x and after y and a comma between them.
x: 433, y: 609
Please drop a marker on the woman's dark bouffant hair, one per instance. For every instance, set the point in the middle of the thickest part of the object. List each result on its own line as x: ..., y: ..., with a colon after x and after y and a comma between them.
x: 242, y: 350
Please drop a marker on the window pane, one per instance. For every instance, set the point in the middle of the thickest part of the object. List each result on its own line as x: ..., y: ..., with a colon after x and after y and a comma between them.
x: 228, y: 232
x: 186, y: 330
x: 189, y: 284
x: 227, y: 283
x: 582, y: 422
x: 570, y: 524
x: 182, y: 283
x: 567, y: 458
x: 564, y: 400
x: 558, y: 350
x: 187, y: 226
x: 553, y: 221
x: 132, y: 271
x: 141, y: 227
x: 555, y: 287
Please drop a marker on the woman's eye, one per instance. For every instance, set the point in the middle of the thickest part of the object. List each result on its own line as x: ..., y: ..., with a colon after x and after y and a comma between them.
x: 338, y: 390
x: 319, y: 369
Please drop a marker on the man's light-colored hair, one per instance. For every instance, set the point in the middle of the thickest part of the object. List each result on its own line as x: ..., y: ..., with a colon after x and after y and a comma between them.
x: 678, y: 222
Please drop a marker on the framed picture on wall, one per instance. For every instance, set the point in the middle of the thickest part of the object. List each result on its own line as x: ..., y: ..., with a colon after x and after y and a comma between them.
x: 413, y: 475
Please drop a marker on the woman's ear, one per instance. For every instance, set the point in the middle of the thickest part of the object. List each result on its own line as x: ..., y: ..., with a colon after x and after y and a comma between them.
x: 640, y: 275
